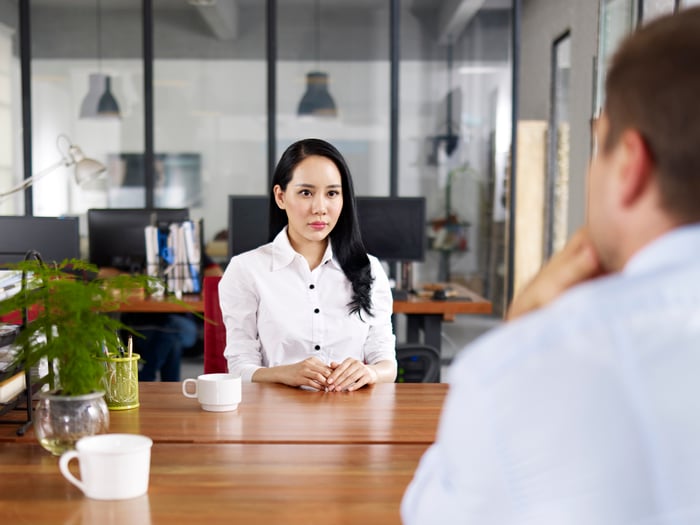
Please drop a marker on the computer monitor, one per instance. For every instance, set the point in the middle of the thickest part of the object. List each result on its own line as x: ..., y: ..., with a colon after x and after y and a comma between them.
x: 393, y: 228
x: 248, y: 222
x: 55, y: 238
x: 117, y: 238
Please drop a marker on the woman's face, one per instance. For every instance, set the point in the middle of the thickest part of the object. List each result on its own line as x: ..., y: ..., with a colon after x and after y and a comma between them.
x: 313, y: 201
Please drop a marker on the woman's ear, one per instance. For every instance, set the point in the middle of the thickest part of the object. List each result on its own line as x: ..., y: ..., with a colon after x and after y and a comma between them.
x: 279, y: 196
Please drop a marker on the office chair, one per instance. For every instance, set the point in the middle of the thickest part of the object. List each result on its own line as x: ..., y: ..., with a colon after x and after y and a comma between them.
x: 417, y: 363
x: 214, y: 330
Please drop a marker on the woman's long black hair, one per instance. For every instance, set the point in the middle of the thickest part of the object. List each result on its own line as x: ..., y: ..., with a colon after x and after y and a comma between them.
x: 346, y: 240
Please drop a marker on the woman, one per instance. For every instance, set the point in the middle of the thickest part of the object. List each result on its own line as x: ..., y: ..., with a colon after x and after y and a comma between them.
x: 310, y: 308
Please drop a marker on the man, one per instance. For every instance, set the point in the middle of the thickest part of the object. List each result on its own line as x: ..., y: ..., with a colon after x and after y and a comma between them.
x: 585, y: 409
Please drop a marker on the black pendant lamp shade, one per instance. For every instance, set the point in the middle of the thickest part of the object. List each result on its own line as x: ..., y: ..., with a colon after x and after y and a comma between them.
x: 107, y: 106
x: 317, y: 101
x: 99, y: 102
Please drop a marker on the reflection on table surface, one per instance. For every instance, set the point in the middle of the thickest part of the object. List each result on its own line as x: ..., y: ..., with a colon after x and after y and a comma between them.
x: 269, y: 413
x: 217, y: 483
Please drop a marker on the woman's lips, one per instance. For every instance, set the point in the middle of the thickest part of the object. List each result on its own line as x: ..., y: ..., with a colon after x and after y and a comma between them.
x: 318, y: 225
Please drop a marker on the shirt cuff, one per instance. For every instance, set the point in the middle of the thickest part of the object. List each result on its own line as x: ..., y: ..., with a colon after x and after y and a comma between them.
x: 247, y: 372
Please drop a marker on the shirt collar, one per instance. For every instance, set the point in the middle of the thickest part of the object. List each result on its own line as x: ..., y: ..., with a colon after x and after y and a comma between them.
x: 676, y: 247
x: 283, y: 254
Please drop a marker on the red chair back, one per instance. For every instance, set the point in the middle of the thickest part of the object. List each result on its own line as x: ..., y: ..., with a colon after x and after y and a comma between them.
x: 214, y: 330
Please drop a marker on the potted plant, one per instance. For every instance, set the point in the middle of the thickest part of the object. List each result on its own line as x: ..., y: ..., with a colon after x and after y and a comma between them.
x: 71, y: 328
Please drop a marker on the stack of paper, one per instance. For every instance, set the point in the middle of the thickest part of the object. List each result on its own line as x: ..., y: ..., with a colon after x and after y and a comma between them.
x: 12, y: 381
x: 8, y: 332
x: 10, y: 283
x: 13, y: 386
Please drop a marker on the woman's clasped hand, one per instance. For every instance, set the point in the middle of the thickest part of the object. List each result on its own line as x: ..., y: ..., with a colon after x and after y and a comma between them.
x: 346, y: 376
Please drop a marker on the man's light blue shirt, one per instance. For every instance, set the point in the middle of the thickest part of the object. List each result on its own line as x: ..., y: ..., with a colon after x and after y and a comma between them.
x: 584, y: 412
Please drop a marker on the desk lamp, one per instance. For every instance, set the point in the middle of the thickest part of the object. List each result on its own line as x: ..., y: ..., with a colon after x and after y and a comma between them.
x: 85, y: 171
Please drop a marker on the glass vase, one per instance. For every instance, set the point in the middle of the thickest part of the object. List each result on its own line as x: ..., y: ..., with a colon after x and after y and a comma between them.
x: 60, y: 421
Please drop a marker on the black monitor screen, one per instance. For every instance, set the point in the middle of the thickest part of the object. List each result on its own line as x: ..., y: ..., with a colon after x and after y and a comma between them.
x: 393, y: 228
x: 248, y: 219
x: 55, y: 238
x: 117, y: 238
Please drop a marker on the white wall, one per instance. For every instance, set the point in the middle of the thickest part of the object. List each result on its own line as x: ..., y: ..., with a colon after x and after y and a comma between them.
x: 542, y: 22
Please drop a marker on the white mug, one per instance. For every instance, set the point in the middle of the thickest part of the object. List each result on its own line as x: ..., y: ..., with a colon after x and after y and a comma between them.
x: 215, y: 392
x: 112, y: 466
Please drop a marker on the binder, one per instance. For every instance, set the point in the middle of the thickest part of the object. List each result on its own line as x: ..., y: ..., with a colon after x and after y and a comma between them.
x: 175, y: 254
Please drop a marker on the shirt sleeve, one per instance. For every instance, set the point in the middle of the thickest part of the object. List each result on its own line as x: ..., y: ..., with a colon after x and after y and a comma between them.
x: 239, y: 307
x: 380, y: 344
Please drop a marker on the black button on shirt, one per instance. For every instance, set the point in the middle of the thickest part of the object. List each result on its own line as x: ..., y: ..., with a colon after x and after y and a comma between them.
x: 316, y: 310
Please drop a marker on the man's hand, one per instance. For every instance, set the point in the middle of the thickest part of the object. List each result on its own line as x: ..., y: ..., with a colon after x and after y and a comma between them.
x: 577, y: 262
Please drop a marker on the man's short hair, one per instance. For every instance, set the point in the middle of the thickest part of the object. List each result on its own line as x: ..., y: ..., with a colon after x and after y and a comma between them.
x: 653, y: 86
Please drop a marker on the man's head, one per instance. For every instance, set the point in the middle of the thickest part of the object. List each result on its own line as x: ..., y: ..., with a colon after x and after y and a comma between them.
x: 647, y: 168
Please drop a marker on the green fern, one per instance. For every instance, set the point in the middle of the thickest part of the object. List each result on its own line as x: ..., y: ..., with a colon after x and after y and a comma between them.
x: 75, y: 323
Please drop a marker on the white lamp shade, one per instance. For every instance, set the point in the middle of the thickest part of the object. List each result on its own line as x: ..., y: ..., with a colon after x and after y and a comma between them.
x: 86, y: 170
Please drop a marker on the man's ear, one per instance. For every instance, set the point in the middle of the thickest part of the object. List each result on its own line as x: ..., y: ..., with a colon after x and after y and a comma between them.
x: 279, y: 196
x: 637, y: 167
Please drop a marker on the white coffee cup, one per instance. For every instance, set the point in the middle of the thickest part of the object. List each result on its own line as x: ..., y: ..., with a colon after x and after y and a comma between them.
x: 112, y: 466
x: 215, y: 392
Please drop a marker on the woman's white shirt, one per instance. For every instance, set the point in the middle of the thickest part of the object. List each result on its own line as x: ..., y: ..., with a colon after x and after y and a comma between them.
x: 278, y: 312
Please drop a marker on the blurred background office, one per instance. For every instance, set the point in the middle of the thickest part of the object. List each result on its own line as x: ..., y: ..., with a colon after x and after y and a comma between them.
x: 189, y: 101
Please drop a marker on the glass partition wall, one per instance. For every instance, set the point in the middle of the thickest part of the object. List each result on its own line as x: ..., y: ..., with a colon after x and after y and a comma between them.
x: 333, y: 83
x: 455, y: 136
x: 11, y: 165
x: 423, y: 109
x: 87, y: 84
x: 209, y: 95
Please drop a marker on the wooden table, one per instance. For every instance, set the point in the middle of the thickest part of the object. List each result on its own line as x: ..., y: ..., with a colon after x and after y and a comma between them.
x: 284, y: 456
x: 405, y: 413
x: 163, y: 305
x: 246, y: 484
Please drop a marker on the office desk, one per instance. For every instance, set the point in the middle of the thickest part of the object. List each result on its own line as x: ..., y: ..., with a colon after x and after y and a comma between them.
x: 391, y: 413
x: 421, y: 313
x: 234, y: 483
x: 428, y: 314
x: 165, y: 305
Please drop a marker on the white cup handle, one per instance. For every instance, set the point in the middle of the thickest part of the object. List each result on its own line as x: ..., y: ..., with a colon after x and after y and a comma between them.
x: 184, y: 387
x: 63, y: 462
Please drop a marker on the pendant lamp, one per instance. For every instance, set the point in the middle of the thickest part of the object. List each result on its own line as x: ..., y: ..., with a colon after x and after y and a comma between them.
x: 317, y: 100
x: 99, y: 101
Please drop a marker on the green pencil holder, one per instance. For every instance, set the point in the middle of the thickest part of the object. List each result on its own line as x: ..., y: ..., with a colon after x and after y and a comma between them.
x: 121, y: 381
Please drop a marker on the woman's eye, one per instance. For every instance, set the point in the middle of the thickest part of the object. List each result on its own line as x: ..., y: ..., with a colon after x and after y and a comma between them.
x: 333, y: 193
x: 305, y: 193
